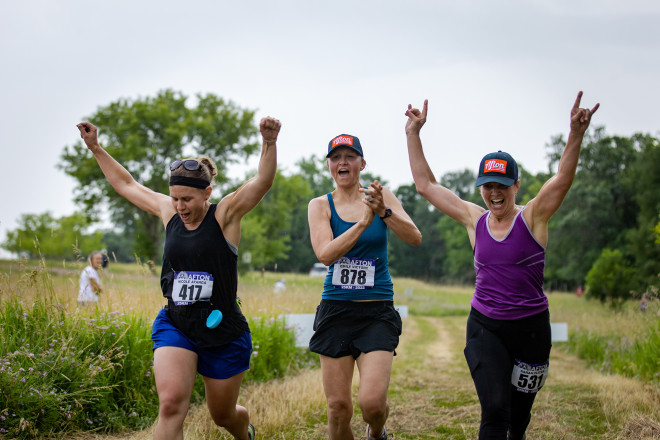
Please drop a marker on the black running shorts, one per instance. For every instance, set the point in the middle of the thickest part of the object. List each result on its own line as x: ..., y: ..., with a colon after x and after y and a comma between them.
x: 343, y: 328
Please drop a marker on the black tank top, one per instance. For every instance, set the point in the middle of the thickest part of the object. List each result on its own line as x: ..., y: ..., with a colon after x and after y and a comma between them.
x: 203, y: 249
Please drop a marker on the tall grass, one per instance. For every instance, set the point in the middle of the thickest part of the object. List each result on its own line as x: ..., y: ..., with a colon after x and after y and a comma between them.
x: 625, y: 341
x: 65, y: 369
x: 62, y: 372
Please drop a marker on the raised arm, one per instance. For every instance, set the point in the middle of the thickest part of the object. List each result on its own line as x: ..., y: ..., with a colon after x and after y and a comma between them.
x: 234, y: 206
x: 399, y: 221
x: 121, y: 180
x: 552, y: 194
x: 327, y: 248
x: 442, y: 198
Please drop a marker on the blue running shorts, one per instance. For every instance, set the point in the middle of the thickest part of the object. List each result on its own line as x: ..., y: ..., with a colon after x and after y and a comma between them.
x: 216, y: 363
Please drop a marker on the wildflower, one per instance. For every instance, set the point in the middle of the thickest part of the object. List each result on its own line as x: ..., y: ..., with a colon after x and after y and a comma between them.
x: 255, y: 353
x: 133, y: 414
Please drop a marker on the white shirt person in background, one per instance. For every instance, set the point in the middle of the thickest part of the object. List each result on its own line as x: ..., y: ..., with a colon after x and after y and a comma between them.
x: 90, y: 283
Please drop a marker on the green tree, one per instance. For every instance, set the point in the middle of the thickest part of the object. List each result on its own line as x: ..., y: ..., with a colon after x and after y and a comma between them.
x: 266, y: 229
x: 597, y: 210
x: 609, y: 279
x: 316, y: 178
x: 459, y: 261
x: 642, y: 180
x: 145, y: 135
x: 120, y: 244
x: 50, y: 237
x: 530, y: 184
x: 426, y: 260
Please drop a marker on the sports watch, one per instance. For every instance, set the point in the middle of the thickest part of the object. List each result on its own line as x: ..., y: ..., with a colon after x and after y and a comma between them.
x: 388, y: 212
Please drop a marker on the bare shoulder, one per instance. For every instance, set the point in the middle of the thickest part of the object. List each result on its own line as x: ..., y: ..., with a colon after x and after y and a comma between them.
x: 222, y: 209
x: 319, y: 203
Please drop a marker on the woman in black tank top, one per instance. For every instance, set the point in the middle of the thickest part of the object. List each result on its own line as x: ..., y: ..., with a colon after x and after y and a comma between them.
x: 199, y: 275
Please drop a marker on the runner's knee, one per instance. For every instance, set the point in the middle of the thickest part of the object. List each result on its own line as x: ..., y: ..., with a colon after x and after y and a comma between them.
x: 340, y: 409
x: 172, y: 405
x: 373, y: 408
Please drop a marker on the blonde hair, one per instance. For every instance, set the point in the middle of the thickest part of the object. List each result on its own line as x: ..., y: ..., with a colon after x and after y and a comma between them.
x: 208, y: 171
x: 92, y: 255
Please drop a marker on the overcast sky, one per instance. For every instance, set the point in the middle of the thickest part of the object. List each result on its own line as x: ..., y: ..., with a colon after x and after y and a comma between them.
x: 498, y: 75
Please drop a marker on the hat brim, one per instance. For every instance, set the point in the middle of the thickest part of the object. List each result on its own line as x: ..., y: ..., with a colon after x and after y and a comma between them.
x: 507, y: 181
x: 343, y: 146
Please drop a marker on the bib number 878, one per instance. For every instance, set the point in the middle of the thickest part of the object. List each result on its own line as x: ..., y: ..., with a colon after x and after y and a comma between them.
x: 360, y: 275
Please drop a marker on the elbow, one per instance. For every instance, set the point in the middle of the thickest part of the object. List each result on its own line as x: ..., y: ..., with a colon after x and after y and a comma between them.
x: 423, y: 188
x: 416, y: 239
x: 326, y: 260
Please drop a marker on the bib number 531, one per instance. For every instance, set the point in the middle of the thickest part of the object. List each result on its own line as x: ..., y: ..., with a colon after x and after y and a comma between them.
x: 529, y: 378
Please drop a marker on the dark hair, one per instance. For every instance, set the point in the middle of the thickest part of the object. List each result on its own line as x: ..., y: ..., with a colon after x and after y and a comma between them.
x: 208, y: 171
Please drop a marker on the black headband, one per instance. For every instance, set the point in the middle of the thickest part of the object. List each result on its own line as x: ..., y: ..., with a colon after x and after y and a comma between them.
x: 189, y: 181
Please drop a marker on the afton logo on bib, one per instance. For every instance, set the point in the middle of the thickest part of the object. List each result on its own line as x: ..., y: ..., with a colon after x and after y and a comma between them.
x: 495, y: 166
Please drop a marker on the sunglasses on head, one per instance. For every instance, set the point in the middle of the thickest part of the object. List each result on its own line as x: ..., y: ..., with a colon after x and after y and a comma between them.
x: 189, y: 164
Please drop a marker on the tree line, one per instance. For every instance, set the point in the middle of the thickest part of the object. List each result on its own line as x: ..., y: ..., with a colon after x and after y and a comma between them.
x: 605, y: 236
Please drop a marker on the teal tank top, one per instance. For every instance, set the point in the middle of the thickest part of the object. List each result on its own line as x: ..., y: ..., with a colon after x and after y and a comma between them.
x: 363, y: 273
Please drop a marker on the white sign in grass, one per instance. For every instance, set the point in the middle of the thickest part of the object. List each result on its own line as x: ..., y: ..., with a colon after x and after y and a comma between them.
x: 559, y: 331
x: 303, y: 324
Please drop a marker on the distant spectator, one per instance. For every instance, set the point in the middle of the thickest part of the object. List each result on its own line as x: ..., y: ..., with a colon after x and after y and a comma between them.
x: 90, y: 283
x: 644, y: 303
x: 280, y: 286
x: 578, y: 292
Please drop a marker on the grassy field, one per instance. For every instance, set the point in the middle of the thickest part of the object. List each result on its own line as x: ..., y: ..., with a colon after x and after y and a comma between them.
x: 431, y: 393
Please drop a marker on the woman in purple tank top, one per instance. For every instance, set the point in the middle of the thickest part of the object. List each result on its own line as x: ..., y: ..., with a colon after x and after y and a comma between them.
x: 508, y: 330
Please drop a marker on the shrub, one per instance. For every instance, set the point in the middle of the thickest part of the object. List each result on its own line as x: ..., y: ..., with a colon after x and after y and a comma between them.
x: 614, y: 354
x: 610, y: 278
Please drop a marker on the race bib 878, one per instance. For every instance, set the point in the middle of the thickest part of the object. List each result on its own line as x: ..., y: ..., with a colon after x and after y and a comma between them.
x: 190, y: 287
x: 354, y: 273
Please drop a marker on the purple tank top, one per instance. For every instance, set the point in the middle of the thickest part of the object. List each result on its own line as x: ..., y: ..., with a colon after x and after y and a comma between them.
x: 509, y: 271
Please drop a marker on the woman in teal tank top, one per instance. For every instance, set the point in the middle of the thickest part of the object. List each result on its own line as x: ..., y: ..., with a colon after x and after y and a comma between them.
x: 356, y: 323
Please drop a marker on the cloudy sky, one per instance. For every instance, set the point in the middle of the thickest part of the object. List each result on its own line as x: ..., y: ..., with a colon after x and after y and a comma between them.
x: 498, y: 75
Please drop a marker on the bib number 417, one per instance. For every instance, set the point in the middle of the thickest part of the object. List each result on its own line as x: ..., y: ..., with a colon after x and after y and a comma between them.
x: 194, y: 292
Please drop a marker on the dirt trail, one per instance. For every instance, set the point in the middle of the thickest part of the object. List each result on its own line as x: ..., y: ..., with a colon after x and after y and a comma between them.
x: 432, y: 397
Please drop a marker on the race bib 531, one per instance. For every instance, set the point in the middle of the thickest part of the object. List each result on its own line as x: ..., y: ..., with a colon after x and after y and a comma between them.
x: 529, y: 378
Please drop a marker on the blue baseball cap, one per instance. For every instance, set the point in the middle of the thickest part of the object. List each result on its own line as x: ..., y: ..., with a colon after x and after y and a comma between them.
x: 345, y: 140
x: 498, y: 167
